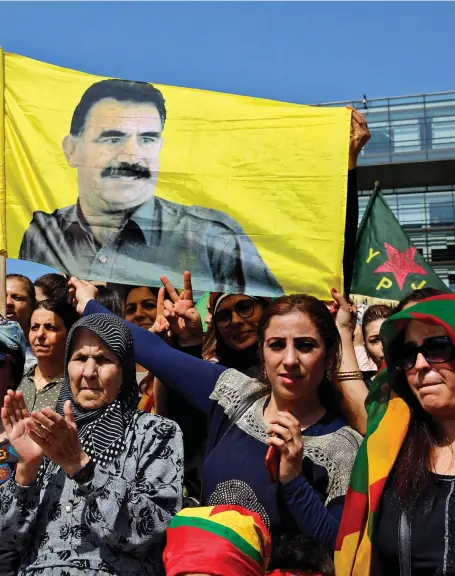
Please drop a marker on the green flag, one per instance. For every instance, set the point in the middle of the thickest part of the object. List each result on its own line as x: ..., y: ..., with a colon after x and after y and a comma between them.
x: 387, y: 266
x: 201, y: 307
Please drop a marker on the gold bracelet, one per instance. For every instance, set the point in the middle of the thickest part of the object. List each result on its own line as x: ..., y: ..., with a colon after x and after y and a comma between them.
x: 354, y: 375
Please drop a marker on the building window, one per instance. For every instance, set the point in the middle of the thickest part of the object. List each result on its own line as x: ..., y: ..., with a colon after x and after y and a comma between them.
x: 441, y: 209
x: 443, y: 132
x: 406, y: 135
x: 412, y: 210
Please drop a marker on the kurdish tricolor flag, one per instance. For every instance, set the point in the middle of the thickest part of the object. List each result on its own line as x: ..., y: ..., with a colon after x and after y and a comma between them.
x: 228, y: 540
x: 387, y: 266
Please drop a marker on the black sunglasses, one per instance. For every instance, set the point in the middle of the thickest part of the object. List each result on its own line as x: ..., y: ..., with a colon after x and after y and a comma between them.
x: 435, y: 350
x: 244, y: 308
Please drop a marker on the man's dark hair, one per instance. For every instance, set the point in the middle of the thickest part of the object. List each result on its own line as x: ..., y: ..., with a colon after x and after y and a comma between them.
x: 121, y: 90
x: 28, y: 284
x: 53, y: 286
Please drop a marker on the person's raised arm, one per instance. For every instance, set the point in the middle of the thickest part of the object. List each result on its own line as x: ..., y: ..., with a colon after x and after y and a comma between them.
x: 192, y: 377
x: 359, y: 137
x: 349, y: 378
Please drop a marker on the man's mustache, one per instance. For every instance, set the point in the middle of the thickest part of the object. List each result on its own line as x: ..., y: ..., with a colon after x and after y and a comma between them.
x: 124, y: 169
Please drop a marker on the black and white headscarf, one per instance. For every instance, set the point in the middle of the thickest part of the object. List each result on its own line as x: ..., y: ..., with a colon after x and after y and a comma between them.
x: 102, y: 431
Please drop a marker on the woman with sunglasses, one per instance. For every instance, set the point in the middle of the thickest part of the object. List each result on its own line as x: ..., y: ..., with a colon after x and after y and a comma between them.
x: 232, y: 337
x: 407, y: 525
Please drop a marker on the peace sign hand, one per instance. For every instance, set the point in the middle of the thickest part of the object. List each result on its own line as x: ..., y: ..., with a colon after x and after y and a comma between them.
x: 181, y: 312
x: 161, y: 326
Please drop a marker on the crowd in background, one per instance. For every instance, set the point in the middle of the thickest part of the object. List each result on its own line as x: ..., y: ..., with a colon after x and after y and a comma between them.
x: 134, y: 443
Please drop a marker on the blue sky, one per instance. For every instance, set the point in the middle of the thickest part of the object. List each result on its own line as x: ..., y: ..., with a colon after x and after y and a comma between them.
x: 305, y: 52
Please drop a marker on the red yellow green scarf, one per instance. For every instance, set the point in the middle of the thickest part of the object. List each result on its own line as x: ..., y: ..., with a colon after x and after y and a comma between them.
x: 147, y: 400
x: 219, y: 540
x: 388, y: 421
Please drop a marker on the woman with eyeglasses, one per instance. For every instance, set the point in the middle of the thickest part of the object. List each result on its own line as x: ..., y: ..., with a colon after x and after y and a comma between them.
x: 232, y: 337
x: 407, y: 467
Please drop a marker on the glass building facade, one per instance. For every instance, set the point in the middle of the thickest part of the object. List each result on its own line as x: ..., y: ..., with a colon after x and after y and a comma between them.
x: 412, y: 152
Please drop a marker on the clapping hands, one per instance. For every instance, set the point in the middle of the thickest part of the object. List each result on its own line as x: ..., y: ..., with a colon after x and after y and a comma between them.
x: 42, y: 433
x: 15, y: 419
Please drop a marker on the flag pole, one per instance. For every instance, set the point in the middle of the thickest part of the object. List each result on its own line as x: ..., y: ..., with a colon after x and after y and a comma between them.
x: 2, y: 284
x: 2, y: 188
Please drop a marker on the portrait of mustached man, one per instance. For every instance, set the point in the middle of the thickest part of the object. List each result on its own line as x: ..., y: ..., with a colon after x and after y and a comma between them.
x: 118, y: 230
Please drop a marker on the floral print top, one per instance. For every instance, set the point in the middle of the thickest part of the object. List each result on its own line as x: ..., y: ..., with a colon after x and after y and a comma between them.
x: 113, y: 524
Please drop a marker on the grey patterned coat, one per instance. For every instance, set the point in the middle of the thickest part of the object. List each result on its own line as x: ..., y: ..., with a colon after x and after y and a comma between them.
x: 113, y: 524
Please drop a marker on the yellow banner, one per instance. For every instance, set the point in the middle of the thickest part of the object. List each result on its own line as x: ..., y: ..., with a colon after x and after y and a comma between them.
x: 124, y: 181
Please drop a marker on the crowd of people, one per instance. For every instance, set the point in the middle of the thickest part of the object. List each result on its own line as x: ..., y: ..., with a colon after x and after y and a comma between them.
x: 132, y: 442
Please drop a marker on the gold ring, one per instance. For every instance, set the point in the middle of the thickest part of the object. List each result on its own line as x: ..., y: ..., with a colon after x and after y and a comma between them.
x: 289, y: 439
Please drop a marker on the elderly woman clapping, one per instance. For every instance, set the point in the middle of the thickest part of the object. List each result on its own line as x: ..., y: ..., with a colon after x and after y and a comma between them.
x: 97, y: 482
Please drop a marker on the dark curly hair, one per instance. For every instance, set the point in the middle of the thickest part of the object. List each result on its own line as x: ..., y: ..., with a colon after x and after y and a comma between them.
x: 298, y: 552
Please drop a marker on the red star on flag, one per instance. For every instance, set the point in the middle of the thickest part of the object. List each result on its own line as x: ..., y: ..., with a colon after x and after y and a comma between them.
x: 400, y: 264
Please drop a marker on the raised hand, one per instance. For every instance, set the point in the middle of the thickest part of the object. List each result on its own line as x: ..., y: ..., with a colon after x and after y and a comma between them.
x: 161, y: 326
x: 359, y: 136
x: 345, y: 312
x: 181, y: 312
x: 57, y: 438
x: 14, y: 418
x: 81, y: 293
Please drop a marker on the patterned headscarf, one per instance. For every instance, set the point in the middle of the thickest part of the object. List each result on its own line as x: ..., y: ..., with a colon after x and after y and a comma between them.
x: 217, y: 540
x: 387, y: 426
x: 102, y: 431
